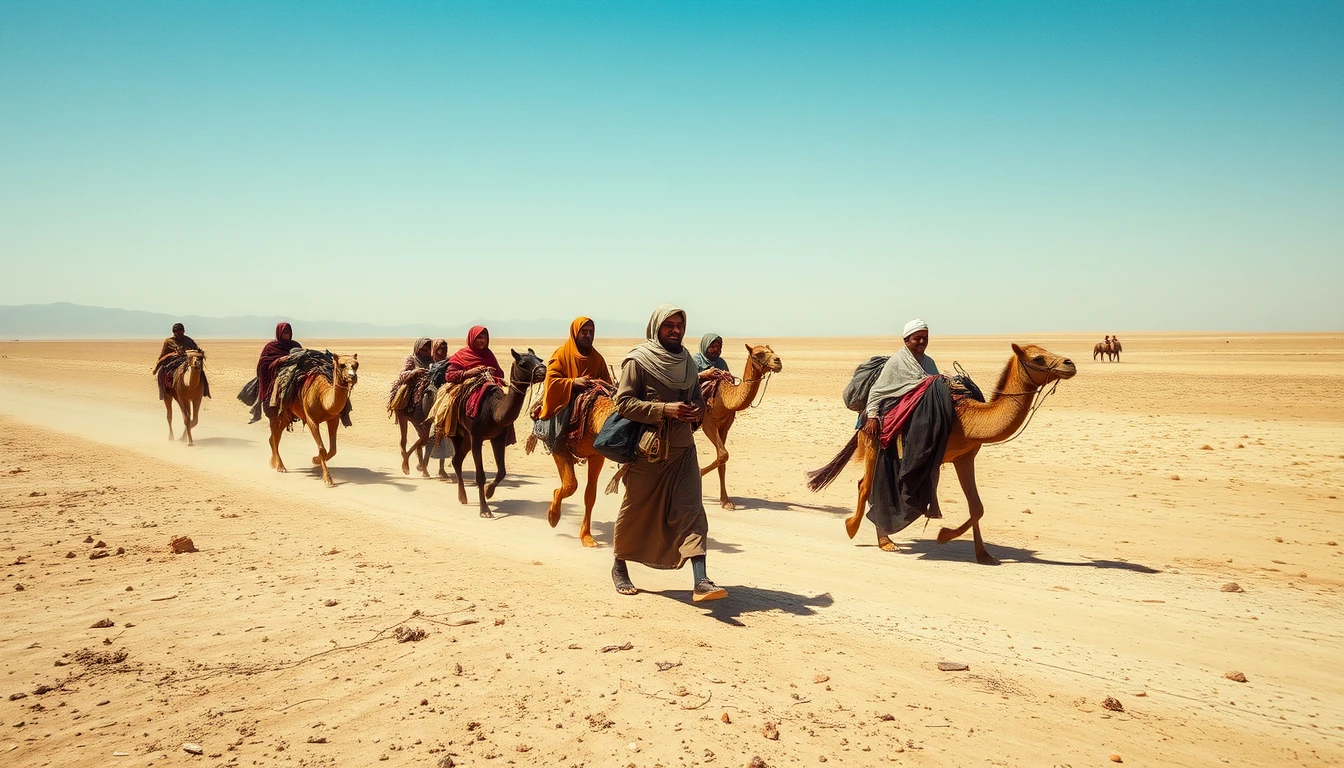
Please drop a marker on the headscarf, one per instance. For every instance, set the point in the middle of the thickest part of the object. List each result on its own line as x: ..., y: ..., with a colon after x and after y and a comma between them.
x: 179, y: 328
x: 703, y: 361
x: 417, y: 360
x: 469, y: 357
x: 913, y: 326
x: 439, y: 351
x: 675, y: 370
x: 566, y: 365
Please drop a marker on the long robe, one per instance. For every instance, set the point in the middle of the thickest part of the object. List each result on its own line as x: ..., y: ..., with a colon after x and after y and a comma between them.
x: 271, y: 354
x: 171, y: 356
x: 904, y: 486
x: 566, y: 365
x: 662, y: 521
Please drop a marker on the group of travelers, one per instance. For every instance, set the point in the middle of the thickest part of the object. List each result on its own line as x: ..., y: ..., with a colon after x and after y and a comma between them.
x: 662, y: 522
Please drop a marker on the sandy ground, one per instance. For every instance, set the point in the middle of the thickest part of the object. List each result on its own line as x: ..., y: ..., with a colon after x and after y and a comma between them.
x: 1140, y: 490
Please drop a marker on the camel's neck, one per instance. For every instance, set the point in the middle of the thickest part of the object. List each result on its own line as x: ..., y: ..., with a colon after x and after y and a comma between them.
x: 736, y: 397
x: 997, y: 420
x: 510, y: 404
x: 190, y: 378
x: 333, y: 397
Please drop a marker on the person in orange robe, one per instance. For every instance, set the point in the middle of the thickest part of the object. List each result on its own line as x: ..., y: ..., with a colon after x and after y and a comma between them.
x: 573, y: 367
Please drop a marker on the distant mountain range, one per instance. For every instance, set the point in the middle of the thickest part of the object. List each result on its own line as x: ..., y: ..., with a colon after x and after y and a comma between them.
x: 77, y: 321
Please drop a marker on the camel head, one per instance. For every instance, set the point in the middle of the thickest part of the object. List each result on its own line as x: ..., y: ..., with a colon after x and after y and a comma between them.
x: 346, y: 369
x: 527, y: 368
x: 1042, y: 365
x: 195, y: 359
x: 764, y: 357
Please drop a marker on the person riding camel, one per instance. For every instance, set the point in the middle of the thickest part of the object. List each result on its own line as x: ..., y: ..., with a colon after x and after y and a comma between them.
x: 267, y: 362
x: 573, y: 371
x: 439, y: 351
x: 171, y: 355
x: 472, y: 361
x: 910, y: 414
x: 710, y: 365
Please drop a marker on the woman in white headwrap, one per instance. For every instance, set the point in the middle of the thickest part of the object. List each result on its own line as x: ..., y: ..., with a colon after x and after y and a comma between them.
x: 662, y: 522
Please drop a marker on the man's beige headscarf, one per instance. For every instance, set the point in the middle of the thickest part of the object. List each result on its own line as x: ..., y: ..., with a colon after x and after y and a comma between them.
x: 674, y: 369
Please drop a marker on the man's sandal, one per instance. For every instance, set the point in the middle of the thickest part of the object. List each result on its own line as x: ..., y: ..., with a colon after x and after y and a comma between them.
x: 708, y: 590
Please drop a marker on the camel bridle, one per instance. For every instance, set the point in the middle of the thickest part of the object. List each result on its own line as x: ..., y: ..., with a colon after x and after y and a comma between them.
x: 1038, y: 395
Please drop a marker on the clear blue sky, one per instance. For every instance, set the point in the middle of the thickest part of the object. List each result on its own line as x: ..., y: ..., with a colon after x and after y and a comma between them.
x: 774, y: 167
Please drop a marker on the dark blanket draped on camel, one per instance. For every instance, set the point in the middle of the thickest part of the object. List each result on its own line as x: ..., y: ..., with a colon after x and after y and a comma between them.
x: 172, y: 355
x: 257, y: 392
x: 905, y: 480
x: 662, y: 521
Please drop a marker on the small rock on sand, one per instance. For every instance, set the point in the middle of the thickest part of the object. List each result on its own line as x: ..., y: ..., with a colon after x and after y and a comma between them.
x: 182, y: 544
x: 1116, y: 759
x: 17, y: 696
x: 88, y: 539
x: 69, y: 555
x: 952, y: 666
x: 1231, y: 586
x: 770, y: 731
x: 100, y: 545
x: 194, y: 749
x: 1235, y: 677
x: 446, y: 761
x: 725, y: 718
x: 757, y: 762
x: 1113, y: 704
x: 19, y: 587
x: 821, y: 678
x: 102, y: 624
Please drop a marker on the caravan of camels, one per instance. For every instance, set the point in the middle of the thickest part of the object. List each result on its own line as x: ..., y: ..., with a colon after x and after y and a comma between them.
x: 643, y: 416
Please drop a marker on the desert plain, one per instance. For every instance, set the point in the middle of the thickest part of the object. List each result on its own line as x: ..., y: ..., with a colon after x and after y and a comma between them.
x: 381, y: 622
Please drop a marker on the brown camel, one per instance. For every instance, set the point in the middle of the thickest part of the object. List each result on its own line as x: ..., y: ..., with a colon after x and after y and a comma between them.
x: 186, y: 388
x: 568, y: 456
x: 729, y: 398
x: 1027, y: 371
x: 1115, y: 349
x: 319, y: 402
x: 1100, y: 350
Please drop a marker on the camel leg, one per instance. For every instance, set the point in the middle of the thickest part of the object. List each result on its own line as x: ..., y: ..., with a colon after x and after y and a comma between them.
x: 168, y: 404
x: 459, y: 455
x: 277, y: 427
x: 568, y: 484
x: 476, y: 449
x: 405, y: 457
x: 421, y: 450
x: 496, y: 445
x: 966, y: 474
x: 184, y: 405
x: 589, y: 499
x: 868, y: 447
x: 331, y: 436
x: 321, y: 458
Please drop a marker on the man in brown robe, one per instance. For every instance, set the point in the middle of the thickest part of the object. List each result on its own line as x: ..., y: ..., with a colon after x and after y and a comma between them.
x: 171, y: 356
x: 662, y: 521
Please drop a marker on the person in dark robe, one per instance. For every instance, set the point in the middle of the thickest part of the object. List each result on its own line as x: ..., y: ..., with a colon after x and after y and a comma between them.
x: 271, y: 355
x: 662, y: 522
x: 171, y: 355
x: 421, y: 355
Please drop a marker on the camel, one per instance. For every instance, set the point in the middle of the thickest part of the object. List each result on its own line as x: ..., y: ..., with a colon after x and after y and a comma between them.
x: 565, y: 459
x: 417, y: 416
x: 319, y: 402
x: 1100, y: 350
x: 1027, y: 371
x: 499, y: 409
x: 730, y: 398
x: 1114, y: 350
x: 187, y: 388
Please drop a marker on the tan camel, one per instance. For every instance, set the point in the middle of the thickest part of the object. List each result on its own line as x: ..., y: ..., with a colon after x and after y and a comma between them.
x: 1027, y: 371
x: 1100, y: 350
x: 319, y: 402
x: 187, y: 388
x: 1115, y: 349
x: 565, y: 460
x: 729, y: 399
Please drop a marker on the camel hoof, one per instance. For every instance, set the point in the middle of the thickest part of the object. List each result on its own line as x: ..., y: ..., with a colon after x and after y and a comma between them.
x: 945, y: 535
x: 852, y: 525
x: 405, y: 467
x: 487, y: 514
x: 589, y: 541
x: 317, y: 461
x: 885, y: 544
x: 984, y: 558
x: 462, y: 499
x: 490, y: 491
x: 728, y: 505
x: 553, y: 517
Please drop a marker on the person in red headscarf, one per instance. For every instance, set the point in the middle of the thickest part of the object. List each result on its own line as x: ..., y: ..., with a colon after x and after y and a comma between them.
x: 271, y: 355
x: 473, y: 359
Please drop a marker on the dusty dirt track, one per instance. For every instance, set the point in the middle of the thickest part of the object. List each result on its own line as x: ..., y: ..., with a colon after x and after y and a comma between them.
x: 1140, y: 490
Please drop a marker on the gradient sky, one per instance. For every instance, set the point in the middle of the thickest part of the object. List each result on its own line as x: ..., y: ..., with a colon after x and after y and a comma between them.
x: 776, y: 168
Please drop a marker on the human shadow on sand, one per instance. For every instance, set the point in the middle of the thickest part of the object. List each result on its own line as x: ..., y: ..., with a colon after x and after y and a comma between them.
x: 964, y: 551
x: 224, y: 442
x: 742, y: 600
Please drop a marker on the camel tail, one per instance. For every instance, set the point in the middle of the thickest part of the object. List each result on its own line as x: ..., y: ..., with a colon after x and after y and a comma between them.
x: 530, y: 445
x: 614, y: 484
x: 820, y: 478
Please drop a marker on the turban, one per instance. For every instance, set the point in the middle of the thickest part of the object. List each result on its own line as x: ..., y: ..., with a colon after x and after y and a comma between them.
x: 178, y: 328
x: 912, y: 326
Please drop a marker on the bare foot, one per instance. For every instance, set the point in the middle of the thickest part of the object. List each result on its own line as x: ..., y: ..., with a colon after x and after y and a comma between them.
x: 487, y: 514
x: 620, y: 576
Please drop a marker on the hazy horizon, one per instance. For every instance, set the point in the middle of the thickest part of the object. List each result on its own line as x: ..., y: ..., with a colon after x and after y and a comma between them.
x: 778, y: 169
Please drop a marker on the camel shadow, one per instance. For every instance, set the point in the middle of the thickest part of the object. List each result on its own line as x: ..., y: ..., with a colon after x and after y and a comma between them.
x: 511, y: 507
x: 363, y: 476
x: 749, y: 503
x: 743, y: 600
x: 603, y: 532
x: 224, y: 442
x: 964, y: 551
